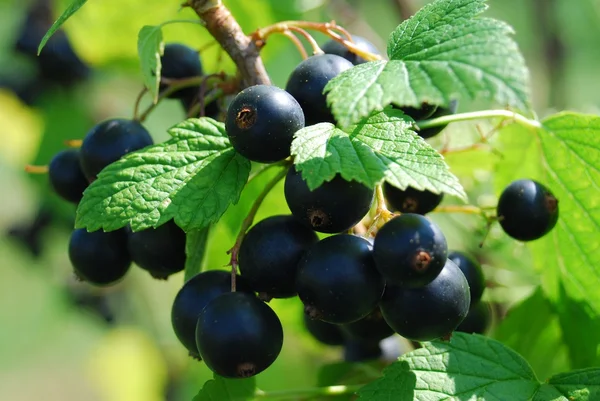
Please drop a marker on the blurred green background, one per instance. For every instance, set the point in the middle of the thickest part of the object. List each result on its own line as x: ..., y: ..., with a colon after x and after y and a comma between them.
x: 55, y: 346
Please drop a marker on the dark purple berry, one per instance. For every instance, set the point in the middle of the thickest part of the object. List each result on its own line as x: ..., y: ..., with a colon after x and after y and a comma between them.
x: 411, y: 200
x: 472, y: 271
x: 66, y: 177
x: 410, y: 250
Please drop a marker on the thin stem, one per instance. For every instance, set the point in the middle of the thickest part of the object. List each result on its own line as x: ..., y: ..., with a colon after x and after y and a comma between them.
x: 382, y: 213
x: 288, y: 34
x: 313, y: 43
x: 36, y: 169
x: 307, y: 394
x: 138, y: 100
x: 248, y: 222
x: 459, y: 209
x: 73, y: 143
x: 477, y: 115
x: 327, y: 28
x: 265, y: 167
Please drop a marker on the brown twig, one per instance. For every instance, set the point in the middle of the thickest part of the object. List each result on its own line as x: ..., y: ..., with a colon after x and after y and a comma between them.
x: 242, y: 49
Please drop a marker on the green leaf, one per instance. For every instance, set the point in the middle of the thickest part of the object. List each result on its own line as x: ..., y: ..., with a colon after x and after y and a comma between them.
x: 195, y: 250
x: 442, y: 53
x: 150, y: 48
x: 72, y: 9
x: 222, y: 389
x: 192, y: 178
x: 467, y: 367
x: 579, y: 385
x: 531, y: 328
x: 565, y: 156
x: 381, y: 147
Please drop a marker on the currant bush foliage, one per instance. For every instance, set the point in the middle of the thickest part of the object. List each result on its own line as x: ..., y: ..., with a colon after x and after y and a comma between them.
x: 193, y: 178
x: 443, y: 52
x: 473, y: 367
x: 383, y: 146
x: 150, y: 48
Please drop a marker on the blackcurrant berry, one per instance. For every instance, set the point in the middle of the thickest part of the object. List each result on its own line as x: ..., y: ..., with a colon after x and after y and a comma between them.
x: 334, y: 47
x: 361, y: 351
x: 238, y: 335
x: 411, y: 200
x: 270, y: 252
x: 307, y: 81
x: 478, y: 319
x: 335, y: 206
x: 100, y: 258
x: 325, y: 333
x: 195, y: 294
x: 179, y: 62
x: 410, y: 250
x: 108, y: 141
x: 337, y: 280
x: 212, y: 109
x: 527, y: 210
x: 473, y: 273
x: 160, y: 251
x: 429, y: 312
x: 66, y: 177
x: 372, y: 327
x: 261, y: 123
x: 428, y: 111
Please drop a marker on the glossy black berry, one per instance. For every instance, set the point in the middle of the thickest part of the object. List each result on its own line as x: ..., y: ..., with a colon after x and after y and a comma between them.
x: 195, y: 294
x: 307, y: 81
x: 428, y: 111
x: 410, y: 250
x: 472, y: 271
x: 270, y: 253
x: 325, y: 333
x: 335, y: 206
x: 108, y: 141
x: 261, y: 123
x: 66, y: 177
x: 429, y: 312
x: 179, y: 62
x: 212, y: 109
x: 334, y: 47
x: 478, y: 319
x: 238, y: 335
x: 411, y: 200
x: 160, y: 251
x: 337, y: 280
x: 361, y: 351
x: 527, y: 210
x: 98, y: 257
x: 372, y: 328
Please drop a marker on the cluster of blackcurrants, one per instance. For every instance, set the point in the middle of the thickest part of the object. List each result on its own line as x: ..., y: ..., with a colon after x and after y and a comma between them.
x: 354, y: 290
x: 103, y: 258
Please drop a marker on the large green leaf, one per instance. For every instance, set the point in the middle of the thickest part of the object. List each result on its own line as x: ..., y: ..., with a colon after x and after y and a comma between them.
x: 565, y: 156
x: 473, y: 367
x: 380, y: 147
x: 192, y: 178
x: 443, y: 52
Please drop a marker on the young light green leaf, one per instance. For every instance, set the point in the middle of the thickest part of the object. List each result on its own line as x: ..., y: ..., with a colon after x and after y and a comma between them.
x: 195, y: 250
x: 564, y: 155
x: 150, y: 48
x: 222, y: 389
x: 467, y: 367
x: 72, y: 9
x: 442, y: 53
x: 380, y: 147
x: 192, y: 178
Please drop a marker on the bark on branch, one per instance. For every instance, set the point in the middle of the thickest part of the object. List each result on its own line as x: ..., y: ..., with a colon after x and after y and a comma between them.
x: 225, y: 29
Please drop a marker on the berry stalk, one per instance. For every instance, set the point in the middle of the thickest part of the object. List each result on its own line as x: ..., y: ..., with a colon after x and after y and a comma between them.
x: 234, y: 252
x: 478, y: 115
